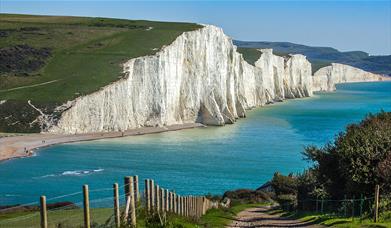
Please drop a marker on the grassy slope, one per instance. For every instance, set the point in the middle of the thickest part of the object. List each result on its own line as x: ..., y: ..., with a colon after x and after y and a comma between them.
x: 86, y: 55
x: 334, y: 221
x: 215, y: 218
x: 87, y: 52
x: 251, y: 55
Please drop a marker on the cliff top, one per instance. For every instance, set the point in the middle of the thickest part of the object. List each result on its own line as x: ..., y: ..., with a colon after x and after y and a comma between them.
x: 57, y: 58
x: 324, y: 56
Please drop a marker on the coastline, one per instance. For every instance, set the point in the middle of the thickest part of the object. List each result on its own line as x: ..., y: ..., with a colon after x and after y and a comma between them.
x: 24, y: 145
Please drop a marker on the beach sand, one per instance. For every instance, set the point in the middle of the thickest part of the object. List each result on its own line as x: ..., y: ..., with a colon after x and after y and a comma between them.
x: 24, y: 145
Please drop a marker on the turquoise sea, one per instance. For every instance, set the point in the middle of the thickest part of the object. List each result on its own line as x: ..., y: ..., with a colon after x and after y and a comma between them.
x: 197, y: 161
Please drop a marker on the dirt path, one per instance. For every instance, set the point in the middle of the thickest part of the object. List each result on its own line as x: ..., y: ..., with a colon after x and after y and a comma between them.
x: 264, y: 216
x: 29, y: 86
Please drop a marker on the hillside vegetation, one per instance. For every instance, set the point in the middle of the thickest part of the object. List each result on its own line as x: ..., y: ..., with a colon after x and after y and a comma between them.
x: 52, y: 59
x: 323, y: 56
x: 80, y: 54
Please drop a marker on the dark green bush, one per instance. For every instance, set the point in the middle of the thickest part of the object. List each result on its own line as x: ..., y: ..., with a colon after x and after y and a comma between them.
x: 357, y: 160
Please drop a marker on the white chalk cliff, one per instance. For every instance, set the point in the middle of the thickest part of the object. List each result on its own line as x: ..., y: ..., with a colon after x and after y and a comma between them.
x: 326, y: 78
x: 200, y: 77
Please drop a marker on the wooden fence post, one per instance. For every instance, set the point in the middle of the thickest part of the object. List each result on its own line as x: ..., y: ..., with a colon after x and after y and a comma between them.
x: 203, y: 205
x: 136, y: 189
x: 377, y: 192
x: 196, y: 206
x: 178, y: 206
x: 157, y: 204
x: 126, y: 186
x: 199, y: 206
x: 86, y: 204
x: 170, y: 206
x: 43, y: 210
x: 172, y: 201
x: 152, y: 194
x: 191, y: 206
x: 186, y: 208
x: 162, y: 200
x: 175, y: 203
x: 147, y: 195
x: 166, y: 197
x: 116, y: 206
x: 182, y: 206
x: 132, y: 202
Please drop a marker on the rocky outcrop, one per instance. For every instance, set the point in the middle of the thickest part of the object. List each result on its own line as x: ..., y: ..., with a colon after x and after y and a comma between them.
x: 200, y: 77
x: 326, y: 78
x: 297, y: 82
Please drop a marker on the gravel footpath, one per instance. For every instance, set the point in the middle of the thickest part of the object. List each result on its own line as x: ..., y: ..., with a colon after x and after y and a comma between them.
x: 263, y: 216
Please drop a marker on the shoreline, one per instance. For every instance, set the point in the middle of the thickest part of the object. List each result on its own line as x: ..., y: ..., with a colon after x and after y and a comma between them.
x: 24, y: 145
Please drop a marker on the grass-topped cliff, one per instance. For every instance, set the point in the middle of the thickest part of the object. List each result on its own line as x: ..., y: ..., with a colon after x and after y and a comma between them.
x: 52, y: 59
x: 323, y: 56
x: 78, y: 55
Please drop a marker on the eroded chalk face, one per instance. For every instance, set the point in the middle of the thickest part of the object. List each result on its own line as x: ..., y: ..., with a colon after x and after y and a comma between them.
x: 326, y: 77
x: 200, y: 77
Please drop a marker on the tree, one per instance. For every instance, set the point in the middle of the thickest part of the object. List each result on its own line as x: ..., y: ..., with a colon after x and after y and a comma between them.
x: 384, y: 169
x: 357, y: 159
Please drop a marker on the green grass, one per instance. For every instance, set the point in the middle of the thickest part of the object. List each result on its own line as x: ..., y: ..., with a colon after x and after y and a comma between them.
x: 317, y: 64
x: 250, y: 55
x: 335, y: 221
x: 67, y: 218
x: 214, y: 218
x: 87, y: 52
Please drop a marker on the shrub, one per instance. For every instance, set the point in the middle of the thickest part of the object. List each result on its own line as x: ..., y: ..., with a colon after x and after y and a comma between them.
x: 287, y: 201
x: 284, y: 185
x: 357, y: 160
x: 247, y: 196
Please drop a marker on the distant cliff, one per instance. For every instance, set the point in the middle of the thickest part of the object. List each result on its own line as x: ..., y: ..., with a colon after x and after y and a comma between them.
x: 201, y: 78
x: 322, y: 56
x: 326, y: 78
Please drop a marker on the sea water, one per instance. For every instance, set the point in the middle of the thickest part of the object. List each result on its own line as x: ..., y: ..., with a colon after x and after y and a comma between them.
x: 197, y: 161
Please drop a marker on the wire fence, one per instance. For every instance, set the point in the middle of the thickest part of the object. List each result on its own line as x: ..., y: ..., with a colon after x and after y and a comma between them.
x: 360, y: 208
x: 69, y: 210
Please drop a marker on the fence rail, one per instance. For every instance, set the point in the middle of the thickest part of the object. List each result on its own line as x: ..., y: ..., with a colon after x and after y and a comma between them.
x: 154, y: 200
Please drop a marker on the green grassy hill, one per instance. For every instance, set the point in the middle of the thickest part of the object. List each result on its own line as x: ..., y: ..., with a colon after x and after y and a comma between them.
x: 324, y: 56
x: 52, y: 59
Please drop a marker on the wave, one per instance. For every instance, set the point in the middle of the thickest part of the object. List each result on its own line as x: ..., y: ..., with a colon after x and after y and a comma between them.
x: 72, y: 173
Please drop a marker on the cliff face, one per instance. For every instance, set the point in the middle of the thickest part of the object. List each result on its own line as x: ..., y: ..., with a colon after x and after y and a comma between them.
x: 298, y: 79
x: 198, y: 78
x: 201, y: 78
x: 326, y: 78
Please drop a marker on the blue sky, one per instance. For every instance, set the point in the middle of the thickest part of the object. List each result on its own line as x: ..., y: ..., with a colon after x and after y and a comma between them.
x: 345, y: 25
